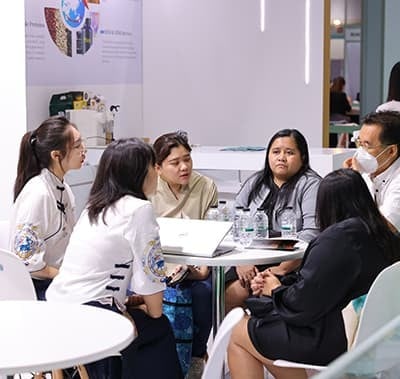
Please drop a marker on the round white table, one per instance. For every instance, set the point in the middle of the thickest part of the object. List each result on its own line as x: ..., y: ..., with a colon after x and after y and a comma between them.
x: 237, y: 257
x: 42, y: 336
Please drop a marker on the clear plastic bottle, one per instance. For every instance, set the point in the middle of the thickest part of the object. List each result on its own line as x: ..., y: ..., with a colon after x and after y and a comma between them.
x: 261, y: 223
x: 212, y: 213
x: 224, y: 212
x: 236, y: 227
x: 247, y: 228
x: 288, y: 223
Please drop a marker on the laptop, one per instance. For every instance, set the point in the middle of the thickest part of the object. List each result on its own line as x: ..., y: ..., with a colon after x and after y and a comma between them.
x: 199, y: 238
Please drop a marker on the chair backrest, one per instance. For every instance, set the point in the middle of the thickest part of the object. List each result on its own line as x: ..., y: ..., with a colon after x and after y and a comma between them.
x: 216, y: 356
x: 15, y: 280
x: 4, y: 233
x: 382, y: 303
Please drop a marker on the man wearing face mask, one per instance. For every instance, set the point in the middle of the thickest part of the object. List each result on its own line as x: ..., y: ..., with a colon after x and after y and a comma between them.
x: 377, y: 159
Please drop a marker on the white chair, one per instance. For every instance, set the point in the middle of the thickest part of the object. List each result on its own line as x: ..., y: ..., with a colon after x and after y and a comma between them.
x: 15, y: 280
x: 215, y: 363
x: 382, y: 304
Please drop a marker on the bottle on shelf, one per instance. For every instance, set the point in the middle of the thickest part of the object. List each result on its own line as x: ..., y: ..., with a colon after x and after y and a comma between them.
x: 261, y: 223
x: 212, y: 213
x: 79, y: 42
x: 236, y: 227
x: 224, y: 212
x: 247, y: 228
x: 87, y: 34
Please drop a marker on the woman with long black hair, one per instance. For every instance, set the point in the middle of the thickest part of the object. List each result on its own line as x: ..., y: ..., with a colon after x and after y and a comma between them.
x: 115, y: 247
x: 44, y: 205
x: 299, y: 317
x: 285, y: 183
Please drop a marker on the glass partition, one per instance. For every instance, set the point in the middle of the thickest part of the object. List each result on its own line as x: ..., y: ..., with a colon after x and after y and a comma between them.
x: 378, y: 357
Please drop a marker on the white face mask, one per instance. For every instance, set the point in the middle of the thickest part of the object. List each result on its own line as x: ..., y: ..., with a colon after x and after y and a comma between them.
x: 367, y: 163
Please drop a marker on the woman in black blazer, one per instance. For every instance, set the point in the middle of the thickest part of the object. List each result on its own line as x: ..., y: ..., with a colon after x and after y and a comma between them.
x: 301, y: 315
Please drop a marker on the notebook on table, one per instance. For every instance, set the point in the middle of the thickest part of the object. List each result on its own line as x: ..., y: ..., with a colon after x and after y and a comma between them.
x: 199, y: 238
x: 278, y: 243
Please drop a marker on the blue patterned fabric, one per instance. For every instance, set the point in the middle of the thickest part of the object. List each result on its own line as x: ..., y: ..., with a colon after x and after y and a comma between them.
x: 27, y: 241
x: 358, y: 304
x: 177, y: 306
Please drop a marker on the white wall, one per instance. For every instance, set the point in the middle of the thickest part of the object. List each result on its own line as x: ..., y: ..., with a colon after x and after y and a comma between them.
x: 209, y: 70
x: 12, y: 99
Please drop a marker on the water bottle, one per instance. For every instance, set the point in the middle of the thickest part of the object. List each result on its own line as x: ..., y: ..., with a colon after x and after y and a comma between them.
x: 224, y: 213
x: 288, y: 224
x: 247, y: 228
x: 212, y: 213
x: 236, y: 227
x: 261, y: 223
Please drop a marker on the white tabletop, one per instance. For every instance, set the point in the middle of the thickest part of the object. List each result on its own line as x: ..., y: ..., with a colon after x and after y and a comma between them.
x: 239, y: 256
x: 41, y: 335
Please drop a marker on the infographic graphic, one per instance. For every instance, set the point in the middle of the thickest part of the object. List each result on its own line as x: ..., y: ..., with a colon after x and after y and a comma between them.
x: 66, y: 44
x: 73, y: 25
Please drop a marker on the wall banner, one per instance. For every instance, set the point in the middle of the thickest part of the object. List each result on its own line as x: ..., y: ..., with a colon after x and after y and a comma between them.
x: 74, y: 42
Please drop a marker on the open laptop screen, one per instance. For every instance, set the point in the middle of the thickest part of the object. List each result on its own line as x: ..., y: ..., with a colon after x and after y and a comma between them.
x: 192, y: 237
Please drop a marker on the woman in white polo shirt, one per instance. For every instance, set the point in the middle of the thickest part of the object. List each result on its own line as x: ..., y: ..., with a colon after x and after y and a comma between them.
x: 115, y: 247
x: 43, y: 211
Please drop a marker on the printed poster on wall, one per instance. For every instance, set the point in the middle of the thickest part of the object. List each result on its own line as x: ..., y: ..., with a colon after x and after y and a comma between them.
x: 73, y: 42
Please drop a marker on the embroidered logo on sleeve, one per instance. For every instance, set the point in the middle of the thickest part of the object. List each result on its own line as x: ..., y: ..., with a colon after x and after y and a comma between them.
x: 153, y: 261
x: 27, y: 241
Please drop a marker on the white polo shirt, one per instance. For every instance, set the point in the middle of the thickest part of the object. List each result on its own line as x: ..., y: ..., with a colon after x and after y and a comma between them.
x: 385, y: 189
x: 103, y: 260
x: 42, y: 221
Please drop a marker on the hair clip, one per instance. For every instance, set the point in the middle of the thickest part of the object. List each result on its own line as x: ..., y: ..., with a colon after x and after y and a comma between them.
x: 33, y: 140
x: 182, y: 134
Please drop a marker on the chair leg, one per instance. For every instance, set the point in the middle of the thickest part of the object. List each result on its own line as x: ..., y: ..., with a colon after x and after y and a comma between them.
x: 57, y: 374
x: 82, y: 372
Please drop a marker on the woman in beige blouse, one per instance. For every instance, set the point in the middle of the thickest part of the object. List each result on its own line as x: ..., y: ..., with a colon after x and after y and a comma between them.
x: 183, y: 193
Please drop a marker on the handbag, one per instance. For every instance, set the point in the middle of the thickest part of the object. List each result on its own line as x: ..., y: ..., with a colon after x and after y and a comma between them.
x: 259, y: 306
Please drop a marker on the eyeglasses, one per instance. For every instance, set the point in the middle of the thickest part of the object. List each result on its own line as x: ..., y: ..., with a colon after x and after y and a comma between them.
x: 365, y: 145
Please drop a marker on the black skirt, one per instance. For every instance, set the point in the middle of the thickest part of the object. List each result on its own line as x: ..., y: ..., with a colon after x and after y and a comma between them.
x: 317, y: 344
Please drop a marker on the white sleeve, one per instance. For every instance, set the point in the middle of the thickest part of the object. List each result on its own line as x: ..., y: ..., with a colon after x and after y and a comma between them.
x: 390, y: 206
x: 31, y: 223
x: 148, y: 274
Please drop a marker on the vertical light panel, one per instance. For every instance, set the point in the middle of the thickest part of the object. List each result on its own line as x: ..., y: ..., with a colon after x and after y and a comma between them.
x: 262, y: 15
x: 307, y: 42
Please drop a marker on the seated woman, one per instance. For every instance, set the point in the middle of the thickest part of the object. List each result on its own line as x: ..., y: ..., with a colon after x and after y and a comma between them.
x: 301, y: 316
x: 43, y: 211
x: 285, y: 182
x: 339, y: 105
x: 183, y: 193
x: 114, y: 246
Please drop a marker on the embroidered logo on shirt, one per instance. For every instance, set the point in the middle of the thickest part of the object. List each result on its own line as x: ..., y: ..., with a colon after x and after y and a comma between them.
x: 153, y: 261
x: 27, y: 241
